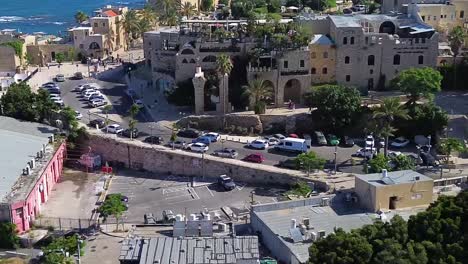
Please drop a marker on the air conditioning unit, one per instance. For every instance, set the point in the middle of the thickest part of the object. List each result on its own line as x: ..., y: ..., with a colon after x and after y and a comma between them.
x: 325, y: 201
x: 313, y: 236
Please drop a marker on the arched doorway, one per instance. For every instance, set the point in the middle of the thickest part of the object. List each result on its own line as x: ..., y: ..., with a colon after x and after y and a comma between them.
x: 94, y: 46
x: 292, y: 91
x: 387, y: 27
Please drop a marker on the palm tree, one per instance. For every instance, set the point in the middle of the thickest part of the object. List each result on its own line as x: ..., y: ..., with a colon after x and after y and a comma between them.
x: 106, y: 109
x: 171, y: 18
x: 389, y: 109
x: 257, y: 90
x: 110, y: 39
x: 133, y: 111
x: 456, y: 38
x: 130, y: 24
x: 224, y: 66
x: 80, y: 17
x: 187, y: 10
x: 149, y: 15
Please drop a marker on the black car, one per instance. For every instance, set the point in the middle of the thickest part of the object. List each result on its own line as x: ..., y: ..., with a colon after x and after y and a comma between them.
x: 154, y: 140
x: 428, y: 159
x: 98, y: 122
x: 131, y: 133
x: 348, y: 142
x: 189, y: 133
x: 288, y: 164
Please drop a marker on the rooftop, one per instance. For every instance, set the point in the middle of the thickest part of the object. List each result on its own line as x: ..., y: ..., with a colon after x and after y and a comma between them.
x: 110, y: 13
x: 167, y: 250
x: 20, y: 141
x: 394, y: 177
x: 345, y: 215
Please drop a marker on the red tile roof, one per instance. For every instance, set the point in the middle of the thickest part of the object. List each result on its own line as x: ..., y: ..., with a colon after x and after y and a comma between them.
x: 110, y: 13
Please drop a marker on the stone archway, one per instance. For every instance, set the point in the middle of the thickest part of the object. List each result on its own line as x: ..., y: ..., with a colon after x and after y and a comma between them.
x: 292, y: 91
x: 94, y: 46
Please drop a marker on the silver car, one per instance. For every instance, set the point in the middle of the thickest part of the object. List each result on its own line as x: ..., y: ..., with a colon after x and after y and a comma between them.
x: 226, y: 153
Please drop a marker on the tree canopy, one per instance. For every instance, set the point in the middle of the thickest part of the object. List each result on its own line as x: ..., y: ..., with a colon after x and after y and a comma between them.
x: 310, y: 161
x: 8, y: 235
x: 55, y: 252
x: 417, y: 82
x: 113, y: 205
x: 437, y: 235
x: 336, y: 106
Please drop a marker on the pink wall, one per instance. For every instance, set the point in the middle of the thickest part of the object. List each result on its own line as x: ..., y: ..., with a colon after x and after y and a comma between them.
x: 24, y: 212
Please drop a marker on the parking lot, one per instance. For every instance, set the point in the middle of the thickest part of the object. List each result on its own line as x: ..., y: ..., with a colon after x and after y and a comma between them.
x: 149, y: 193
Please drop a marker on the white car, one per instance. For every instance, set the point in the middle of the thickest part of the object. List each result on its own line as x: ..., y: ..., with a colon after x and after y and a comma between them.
x: 259, y: 144
x: 54, y: 97
x: 364, y: 153
x: 88, y: 95
x: 197, y: 147
x: 400, y: 142
x: 96, y: 103
x: 60, y: 78
x: 78, y: 115
x: 88, y: 90
x: 58, y: 101
x: 114, y: 128
x: 273, y: 141
x: 370, y: 141
x: 214, y: 137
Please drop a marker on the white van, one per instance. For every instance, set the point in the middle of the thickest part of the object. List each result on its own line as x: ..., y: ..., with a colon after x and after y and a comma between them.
x: 292, y: 144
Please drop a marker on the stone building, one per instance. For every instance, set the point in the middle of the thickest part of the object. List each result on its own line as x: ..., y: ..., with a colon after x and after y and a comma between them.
x: 322, y: 59
x: 41, y: 54
x: 9, y: 61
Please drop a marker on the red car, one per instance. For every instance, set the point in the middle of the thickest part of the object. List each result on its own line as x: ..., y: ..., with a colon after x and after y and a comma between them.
x: 256, y: 157
x: 293, y: 136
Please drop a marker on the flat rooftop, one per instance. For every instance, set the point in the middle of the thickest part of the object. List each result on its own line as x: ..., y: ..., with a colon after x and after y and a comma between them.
x: 340, y: 214
x: 190, y: 250
x: 394, y: 177
x: 20, y: 141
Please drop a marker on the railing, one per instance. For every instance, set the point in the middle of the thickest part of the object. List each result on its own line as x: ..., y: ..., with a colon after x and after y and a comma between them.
x: 288, y: 73
x: 58, y: 223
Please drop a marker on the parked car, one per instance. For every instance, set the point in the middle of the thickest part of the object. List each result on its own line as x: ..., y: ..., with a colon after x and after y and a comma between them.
x: 256, y: 157
x: 168, y: 216
x: 78, y: 75
x: 381, y: 142
x: 114, y: 128
x: 348, y: 142
x: 202, y: 139
x: 226, y: 182
x: 98, y: 122
x: 58, y: 101
x: 60, y: 78
x: 320, y: 138
x: 226, y: 153
x: 96, y: 103
x: 87, y: 96
x: 54, y: 96
x: 88, y: 90
x: 179, y: 144
x: 308, y: 140
x: 96, y: 96
x: 428, y: 159
x: 333, y: 140
x: 154, y: 140
x: 289, y: 164
x: 293, y: 135
x: 189, y: 133
x: 78, y: 115
x: 149, y: 219
x: 279, y: 136
x: 364, y: 153
x: 369, y: 141
x: 79, y: 88
x: 213, y: 136
x: 399, y: 142
x: 53, y: 91
x: 359, y: 7
x: 48, y: 83
x: 259, y: 144
x: 292, y: 144
x: 272, y: 141
x: 197, y: 147
x: 131, y: 133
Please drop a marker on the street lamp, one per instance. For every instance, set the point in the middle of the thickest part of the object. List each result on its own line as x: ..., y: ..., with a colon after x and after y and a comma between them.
x: 222, y: 143
x: 252, y: 193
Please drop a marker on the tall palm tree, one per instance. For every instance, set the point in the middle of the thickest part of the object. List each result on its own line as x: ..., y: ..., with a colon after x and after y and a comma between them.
x: 171, y: 18
x: 258, y: 90
x: 148, y: 14
x: 106, y: 109
x: 456, y: 38
x: 110, y: 39
x: 130, y: 24
x: 389, y: 109
x: 224, y: 66
x: 133, y: 111
x: 187, y: 10
x: 80, y: 17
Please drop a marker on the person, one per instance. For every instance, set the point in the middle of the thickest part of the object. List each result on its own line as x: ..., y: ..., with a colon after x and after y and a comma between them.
x: 289, y: 104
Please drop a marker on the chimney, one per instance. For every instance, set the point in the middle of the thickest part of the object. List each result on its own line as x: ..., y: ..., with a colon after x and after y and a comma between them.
x: 384, y: 173
x: 293, y: 223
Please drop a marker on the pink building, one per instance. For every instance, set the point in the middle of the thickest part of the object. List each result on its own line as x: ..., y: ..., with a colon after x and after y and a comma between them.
x: 31, y: 162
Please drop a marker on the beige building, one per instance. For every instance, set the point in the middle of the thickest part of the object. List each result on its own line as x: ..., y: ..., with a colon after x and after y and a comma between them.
x: 322, y: 59
x: 9, y: 61
x: 393, y: 190
x: 43, y: 54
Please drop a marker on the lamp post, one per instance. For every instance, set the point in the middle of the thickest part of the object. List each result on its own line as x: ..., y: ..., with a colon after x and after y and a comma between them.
x: 222, y: 143
x: 252, y: 193
x: 336, y: 152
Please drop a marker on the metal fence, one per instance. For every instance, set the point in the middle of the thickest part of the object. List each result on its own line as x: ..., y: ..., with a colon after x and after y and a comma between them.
x: 62, y: 224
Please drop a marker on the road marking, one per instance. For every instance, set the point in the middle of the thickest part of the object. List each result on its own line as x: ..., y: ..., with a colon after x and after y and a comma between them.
x: 192, y: 191
x: 209, y: 191
x: 174, y: 189
x: 242, y: 185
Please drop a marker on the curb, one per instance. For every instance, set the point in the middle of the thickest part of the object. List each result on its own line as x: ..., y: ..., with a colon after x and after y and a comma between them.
x: 107, y: 234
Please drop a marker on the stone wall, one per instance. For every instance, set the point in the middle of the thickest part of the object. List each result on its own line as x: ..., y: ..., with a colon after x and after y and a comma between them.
x: 177, y: 162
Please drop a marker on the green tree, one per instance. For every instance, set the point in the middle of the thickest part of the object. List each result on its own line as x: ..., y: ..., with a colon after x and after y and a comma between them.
x: 80, y: 17
x: 336, y: 106
x: 425, y: 119
x: 69, y: 119
x: 131, y: 26
x: 188, y: 10
x: 402, y: 162
x: 106, y: 109
x: 56, y: 251
x: 310, y: 161
x: 340, y: 247
x: 149, y: 16
x: 388, y: 110
x: 206, y: 5
x: 8, y: 235
x: 223, y: 66
x: 44, y: 106
x: 378, y: 163
x: 71, y: 55
x: 18, y: 102
x: 113, y: 205
x: 274, y: 6
x: 241, y: 8
x: 456, y: 39
x: 449, y: 145
x: 60, y: 57
x: 258, y: 91
x: 133, y: 111
x: 417, y: 82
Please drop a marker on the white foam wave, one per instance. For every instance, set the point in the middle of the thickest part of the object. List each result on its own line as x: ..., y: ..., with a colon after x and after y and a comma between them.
x: 11, y: 18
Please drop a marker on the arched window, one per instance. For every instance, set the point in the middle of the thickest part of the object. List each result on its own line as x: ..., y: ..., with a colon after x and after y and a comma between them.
x: 345, y: 40
x: 210, y: 58
x: 396, y: 59
x: 346, y: 60
x: 351, y: 41
x: 420, y: 59
x: 184, y: 61
x: 187, y: 51
x: 324, y: 70
x: 370, y: 60
x: 313, y: 71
